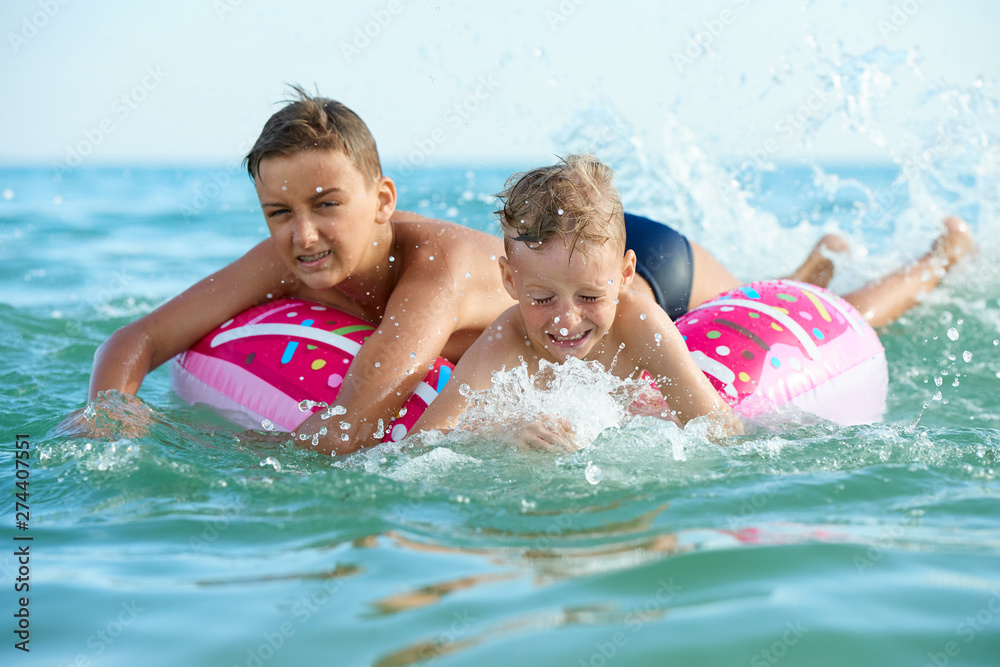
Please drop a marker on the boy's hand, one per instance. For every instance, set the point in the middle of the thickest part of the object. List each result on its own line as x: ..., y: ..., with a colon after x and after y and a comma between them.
x: 110, y: 416
x: 553, y: 435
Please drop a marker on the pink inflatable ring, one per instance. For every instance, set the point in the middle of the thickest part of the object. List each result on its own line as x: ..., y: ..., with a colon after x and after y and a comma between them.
x: 777, y: 343
x: 262, y: 364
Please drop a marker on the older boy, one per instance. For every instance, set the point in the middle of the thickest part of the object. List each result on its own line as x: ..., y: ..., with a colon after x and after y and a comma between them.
x: 567, y: 266
x: 335, y: 236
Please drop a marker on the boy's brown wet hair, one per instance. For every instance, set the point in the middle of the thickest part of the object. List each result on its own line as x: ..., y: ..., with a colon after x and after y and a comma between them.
x: 315, y: 123
x: 574, y: 199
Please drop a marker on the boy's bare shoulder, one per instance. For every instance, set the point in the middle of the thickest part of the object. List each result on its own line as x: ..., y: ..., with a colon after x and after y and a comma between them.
x: 453, y: 262
x: 640, y: 324
x: 503, y: 343
x: 416, y: 231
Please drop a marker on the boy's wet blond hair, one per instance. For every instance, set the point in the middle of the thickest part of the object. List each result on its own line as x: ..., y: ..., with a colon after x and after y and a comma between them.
x: 574, y: 199
x: 315, y: 123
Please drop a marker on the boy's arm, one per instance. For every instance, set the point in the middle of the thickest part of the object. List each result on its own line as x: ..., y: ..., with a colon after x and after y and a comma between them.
x: 687, y: 390
x: 474, y: 371
x: 420, y: 317
x: 123, y: 361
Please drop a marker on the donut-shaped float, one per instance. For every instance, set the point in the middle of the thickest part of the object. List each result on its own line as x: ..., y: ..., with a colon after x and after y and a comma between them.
x: 777, y: 343
x: 270, y: 364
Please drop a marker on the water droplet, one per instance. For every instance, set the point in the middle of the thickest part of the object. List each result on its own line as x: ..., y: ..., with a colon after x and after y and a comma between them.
x: 344, y: 437
x: 315, y: 440
x: 953, y: 333
x: 335, y: 410
x: 402, y: 413
x: 564, y: 331
x: 559, y: 212
x: 468, y: 275
x: 938, y: 381
x: 267, y: 424
x: 955, y: 383
x: 464, y: 389
x: 555, y: 320
x: 610, y: 281
x: 378, y: 364
x: 431, y: 258
x: 642, y: 316
x: 344, y: 426
x: 967, y: 356
x: 306, y: 405
x: 657, y: 337
x: 303, y: 436
x: 593, y: 474
x: 493, y: 256
x: 413, y: 355
x: 391, y: 258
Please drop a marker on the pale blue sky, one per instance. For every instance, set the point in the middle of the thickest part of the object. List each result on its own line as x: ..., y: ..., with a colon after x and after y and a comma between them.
x: 455, y: 81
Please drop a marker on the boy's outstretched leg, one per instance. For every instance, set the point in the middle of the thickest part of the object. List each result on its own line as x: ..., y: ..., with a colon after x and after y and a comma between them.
x: 818, y: 267
x: 882, y: 301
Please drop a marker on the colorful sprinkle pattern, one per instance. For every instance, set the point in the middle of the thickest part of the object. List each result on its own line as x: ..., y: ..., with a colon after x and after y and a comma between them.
x: 763, y: 345
x: 292, y: 350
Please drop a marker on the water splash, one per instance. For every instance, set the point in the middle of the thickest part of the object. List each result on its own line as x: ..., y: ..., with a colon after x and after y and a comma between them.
x: 940, y: 137
x: 582, y: 393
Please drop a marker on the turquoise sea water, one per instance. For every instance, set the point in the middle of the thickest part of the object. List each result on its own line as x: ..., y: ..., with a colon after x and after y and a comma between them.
x: 801, y: 543
x: 804, y: 544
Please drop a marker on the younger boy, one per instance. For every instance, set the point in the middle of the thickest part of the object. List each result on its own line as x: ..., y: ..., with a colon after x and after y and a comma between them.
x: 567, y: 265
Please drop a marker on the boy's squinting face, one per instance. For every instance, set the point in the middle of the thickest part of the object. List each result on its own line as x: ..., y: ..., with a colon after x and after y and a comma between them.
x: 323, y: 214
x: 567, y: 304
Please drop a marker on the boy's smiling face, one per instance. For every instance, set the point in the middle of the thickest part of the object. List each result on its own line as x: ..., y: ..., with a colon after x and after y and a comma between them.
x: 323, y: 214
x: 568, y: 303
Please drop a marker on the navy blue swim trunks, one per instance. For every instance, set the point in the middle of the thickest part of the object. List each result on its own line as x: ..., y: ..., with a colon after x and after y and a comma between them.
x: 663, y: 258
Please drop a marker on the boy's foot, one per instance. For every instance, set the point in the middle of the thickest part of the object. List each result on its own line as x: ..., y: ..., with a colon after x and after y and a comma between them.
x: 955, y: 242
x: 818, y: 267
